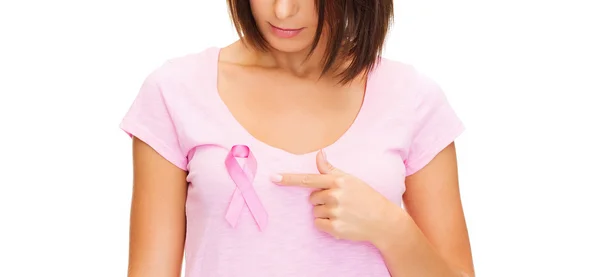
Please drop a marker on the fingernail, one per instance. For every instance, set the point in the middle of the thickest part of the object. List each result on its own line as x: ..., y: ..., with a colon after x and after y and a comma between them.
x: 323, y: 153
x: 276, y: 178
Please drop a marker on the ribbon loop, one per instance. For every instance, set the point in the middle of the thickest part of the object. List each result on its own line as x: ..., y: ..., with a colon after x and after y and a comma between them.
x: 244, y: 192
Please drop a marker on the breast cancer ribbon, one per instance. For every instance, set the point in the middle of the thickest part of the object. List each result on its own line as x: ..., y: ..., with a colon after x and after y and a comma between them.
x: 244, y: 192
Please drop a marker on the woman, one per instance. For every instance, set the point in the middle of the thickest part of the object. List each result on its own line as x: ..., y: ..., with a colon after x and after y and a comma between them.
x: 291, y: 151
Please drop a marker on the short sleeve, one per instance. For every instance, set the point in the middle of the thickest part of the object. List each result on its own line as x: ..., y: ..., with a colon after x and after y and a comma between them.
x: 149, y: 119
x: 435, y: 125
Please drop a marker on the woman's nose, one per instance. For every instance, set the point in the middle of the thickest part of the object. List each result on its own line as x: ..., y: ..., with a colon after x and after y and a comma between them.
x: 285, y: 8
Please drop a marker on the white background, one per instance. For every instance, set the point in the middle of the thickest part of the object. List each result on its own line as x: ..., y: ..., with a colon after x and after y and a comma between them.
x: 524, y: 76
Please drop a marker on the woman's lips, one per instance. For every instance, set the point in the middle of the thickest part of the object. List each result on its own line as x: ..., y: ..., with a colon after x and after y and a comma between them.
x: 285, y: 33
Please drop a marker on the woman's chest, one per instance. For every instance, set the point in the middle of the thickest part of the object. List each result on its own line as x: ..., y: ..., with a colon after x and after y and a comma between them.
x: 223, y: 185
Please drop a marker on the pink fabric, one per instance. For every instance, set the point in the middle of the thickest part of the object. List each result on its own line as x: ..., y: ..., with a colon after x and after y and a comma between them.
x: 404, y: 122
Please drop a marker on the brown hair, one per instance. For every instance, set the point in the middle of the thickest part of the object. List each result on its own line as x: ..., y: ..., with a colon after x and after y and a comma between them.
x: 358, y: 29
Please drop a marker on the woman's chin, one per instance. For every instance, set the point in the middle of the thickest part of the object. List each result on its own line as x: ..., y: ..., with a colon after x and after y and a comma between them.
x: 289, y: 45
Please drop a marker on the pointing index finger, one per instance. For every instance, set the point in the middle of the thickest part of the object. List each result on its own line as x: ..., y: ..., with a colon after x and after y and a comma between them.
x: 318, y: 181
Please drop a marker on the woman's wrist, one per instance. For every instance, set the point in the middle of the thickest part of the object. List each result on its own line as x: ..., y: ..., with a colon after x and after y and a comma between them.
x: 400, y: 239
x: 392, y: 228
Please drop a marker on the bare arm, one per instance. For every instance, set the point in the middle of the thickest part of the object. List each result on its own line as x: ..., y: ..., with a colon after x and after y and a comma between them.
x: 157, y: 231
x: 431, y: 239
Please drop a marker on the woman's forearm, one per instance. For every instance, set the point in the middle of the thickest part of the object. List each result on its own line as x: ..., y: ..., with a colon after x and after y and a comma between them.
x: 408, y: 253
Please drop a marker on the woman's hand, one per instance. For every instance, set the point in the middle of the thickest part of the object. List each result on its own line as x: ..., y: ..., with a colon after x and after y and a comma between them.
x: 344, y: 206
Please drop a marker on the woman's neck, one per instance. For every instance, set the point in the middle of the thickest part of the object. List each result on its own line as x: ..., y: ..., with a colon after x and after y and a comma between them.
x: 297, y: 63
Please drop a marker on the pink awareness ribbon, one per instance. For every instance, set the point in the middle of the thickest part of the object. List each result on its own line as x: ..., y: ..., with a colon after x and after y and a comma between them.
x: 244, y: 192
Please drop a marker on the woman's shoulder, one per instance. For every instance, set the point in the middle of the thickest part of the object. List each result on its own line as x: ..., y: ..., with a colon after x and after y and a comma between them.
x: 181, y: 85
x: 173, y: 100
x: 399, y: 72
x: 405, y: 81
x: 187, y: 68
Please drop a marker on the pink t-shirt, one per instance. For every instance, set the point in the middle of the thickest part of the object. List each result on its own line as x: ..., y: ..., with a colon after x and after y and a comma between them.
x: 404, y: 122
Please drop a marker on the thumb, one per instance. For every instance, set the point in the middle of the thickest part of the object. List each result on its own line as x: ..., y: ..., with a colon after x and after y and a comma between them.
x: 324, y: 166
